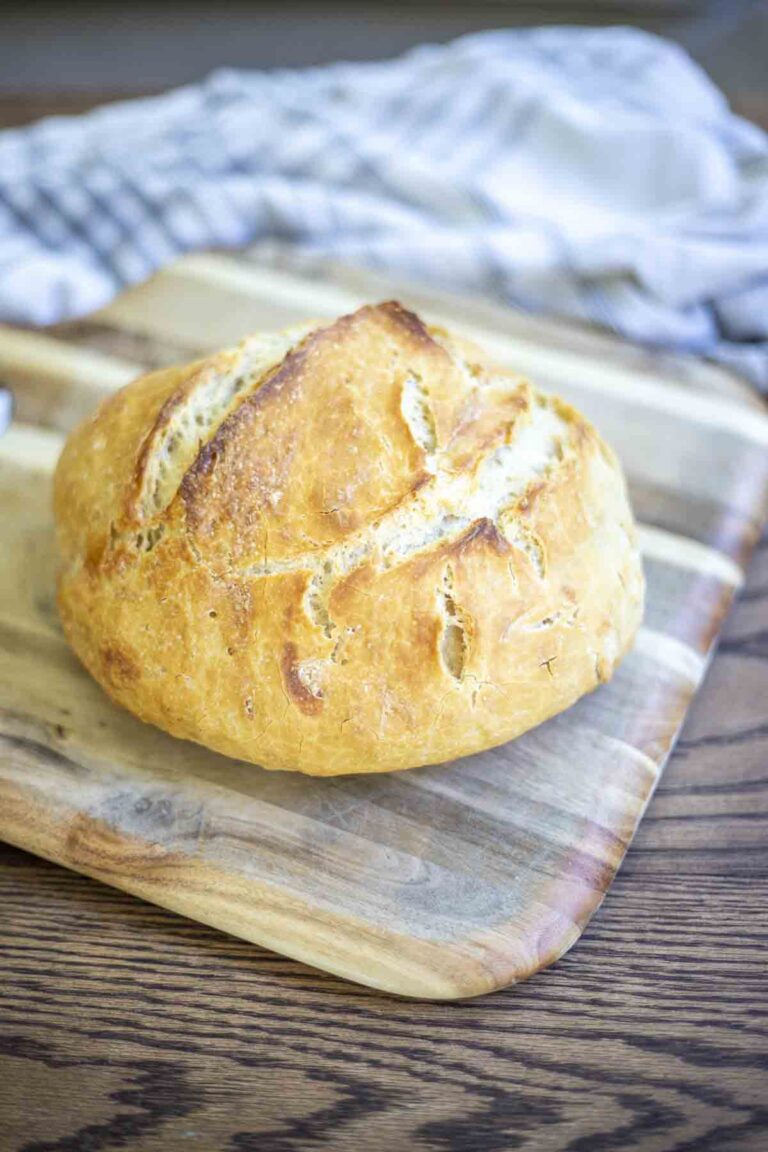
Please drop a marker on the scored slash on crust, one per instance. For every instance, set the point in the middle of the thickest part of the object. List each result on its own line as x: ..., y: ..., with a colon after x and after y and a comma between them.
x: 191, y: 416
x: 445, y: 507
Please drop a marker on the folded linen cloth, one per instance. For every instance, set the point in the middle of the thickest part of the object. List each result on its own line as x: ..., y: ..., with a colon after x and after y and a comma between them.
x: 591, y: 173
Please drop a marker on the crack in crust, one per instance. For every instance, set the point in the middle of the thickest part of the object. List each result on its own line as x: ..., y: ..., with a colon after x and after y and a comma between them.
x: 190, y: 418
x: 449, y: 509
x: 454, y: 640
x: 453, y: 503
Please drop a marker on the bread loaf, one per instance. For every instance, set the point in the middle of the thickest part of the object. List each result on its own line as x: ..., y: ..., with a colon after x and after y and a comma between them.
x: 352, y: 548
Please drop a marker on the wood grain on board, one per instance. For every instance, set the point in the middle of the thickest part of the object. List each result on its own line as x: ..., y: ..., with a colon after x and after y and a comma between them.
x: 442, y: 882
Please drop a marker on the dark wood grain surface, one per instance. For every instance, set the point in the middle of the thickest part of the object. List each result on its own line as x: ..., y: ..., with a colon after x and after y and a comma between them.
x: 95, y: 45
x: 123, y: 1026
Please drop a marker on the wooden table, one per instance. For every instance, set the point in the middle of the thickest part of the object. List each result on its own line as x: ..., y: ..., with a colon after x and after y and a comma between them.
x: 123, y: 1026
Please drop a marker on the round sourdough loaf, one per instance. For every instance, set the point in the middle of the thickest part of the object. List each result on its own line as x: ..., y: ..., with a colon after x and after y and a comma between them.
x: 351, y: 548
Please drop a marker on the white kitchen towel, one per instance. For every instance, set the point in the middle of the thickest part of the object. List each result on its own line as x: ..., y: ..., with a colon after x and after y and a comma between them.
x: 591, y: 173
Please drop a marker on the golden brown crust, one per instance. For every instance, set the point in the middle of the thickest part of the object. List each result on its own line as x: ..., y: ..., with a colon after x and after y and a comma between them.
x: 361, y: 549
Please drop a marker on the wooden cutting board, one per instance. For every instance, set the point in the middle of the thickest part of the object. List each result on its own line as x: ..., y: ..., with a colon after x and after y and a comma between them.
x: 441, y: 882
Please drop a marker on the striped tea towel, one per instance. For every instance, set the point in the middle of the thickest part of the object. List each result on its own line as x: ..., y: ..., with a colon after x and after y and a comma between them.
x: 591, y: 173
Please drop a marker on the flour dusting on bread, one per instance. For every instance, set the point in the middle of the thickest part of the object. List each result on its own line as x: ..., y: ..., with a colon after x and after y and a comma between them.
x: 192, y: 417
